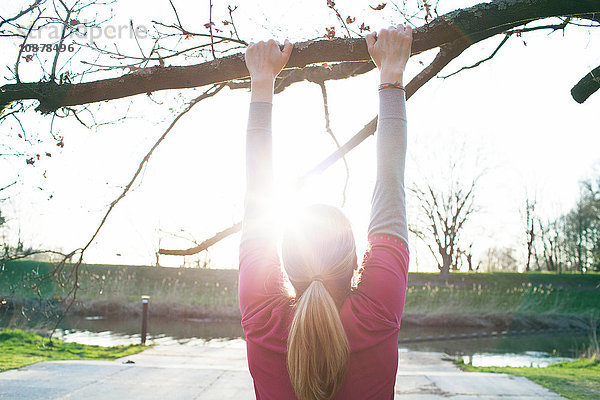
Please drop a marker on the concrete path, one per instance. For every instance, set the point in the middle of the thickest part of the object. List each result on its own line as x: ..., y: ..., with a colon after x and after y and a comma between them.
x: 218, y: 370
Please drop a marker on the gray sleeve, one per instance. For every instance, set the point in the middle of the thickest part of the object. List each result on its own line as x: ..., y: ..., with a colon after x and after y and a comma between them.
x: 258, y: 200
x: 388, y: 204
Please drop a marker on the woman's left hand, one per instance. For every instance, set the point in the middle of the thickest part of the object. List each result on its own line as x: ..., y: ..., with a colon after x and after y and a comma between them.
x: 265, y: 60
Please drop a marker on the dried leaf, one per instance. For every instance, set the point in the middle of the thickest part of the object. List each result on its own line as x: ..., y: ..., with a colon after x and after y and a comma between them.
x: 379, y: 7
x: 330, y: 33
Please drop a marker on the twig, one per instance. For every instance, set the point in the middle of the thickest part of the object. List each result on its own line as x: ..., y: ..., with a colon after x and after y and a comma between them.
x: 7, y: 186
x: 77, y: 117
x: 231, y: 20
x: 330, y: 132
x: 119, y: 55
x: 20, y: 14
x: 337, y: 13
x: 210, y: 24
x: 187, y: 32
x: 506, y: 36
x: 62, y: 39
x: 478, y: 63
x: 136, y: 39
x: 23, y: 45
x: 176, y: 14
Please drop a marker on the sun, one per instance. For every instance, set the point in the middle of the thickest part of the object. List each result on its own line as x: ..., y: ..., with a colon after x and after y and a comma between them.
x: 288, y: 203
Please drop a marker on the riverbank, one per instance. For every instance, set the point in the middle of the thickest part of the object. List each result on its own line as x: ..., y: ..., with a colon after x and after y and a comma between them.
x: 19, y: 348
x: 494, y: 301
x: 576, y: 380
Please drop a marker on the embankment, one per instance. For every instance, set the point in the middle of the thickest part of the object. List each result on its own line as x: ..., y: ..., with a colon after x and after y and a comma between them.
x: 497, y: 300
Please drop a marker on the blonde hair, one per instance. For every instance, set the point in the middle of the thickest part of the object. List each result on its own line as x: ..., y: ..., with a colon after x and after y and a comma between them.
x: 319, y: 256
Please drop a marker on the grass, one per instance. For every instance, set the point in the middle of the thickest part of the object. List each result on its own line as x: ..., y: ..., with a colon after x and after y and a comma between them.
x: 510, y: 292
x: 113, y: 289
x: 19, y: 348
x: 117, y: 289
x: 577, y: 380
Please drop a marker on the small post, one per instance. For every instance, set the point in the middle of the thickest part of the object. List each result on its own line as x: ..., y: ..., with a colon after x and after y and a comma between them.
x: 145, y: 301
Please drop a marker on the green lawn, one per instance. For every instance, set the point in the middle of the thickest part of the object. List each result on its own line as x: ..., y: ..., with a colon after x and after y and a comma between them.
x: 19, y: 348
x: 577, y: 380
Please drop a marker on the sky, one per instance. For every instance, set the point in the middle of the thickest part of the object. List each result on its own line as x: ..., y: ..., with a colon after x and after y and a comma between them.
x: 511, y: 119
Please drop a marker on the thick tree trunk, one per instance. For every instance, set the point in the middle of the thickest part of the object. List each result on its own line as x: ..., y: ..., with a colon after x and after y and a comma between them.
x: 470, y: 24
x: 446, y: 262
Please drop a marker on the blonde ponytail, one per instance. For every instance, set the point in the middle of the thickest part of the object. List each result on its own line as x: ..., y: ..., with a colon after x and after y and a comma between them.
x: 318, y: 349
x: 319, y: 255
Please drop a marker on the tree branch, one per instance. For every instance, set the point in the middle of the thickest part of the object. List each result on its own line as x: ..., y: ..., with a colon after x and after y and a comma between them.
x: 586, y: 86
x: 7, y: 186
x: 20, y: 14
x: 316, y: 74
x: 204, y: 245
x: 470, y: 24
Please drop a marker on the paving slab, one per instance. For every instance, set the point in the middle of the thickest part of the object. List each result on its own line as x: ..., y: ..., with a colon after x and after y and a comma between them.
x: 218, y: 370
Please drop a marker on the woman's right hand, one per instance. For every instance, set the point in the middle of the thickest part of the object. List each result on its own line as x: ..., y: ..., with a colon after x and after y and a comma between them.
x: 390, y: 50
x: 265, y: 60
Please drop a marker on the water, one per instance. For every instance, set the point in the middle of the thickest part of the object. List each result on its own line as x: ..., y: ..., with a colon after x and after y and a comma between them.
x: 536, y: 350
x: 526, y: 359
x: 528, y: 350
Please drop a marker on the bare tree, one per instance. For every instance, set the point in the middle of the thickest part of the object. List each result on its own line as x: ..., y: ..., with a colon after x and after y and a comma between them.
x: 468, y: 256
x: 571, y: 242
x: 530, y: 231
x: 551, y: 234
x: 500, y: 259
x: 581, y: 229
x: 444, y: 213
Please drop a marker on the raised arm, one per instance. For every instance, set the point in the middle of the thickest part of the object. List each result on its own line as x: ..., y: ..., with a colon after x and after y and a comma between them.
x: 260, y: 274
x: 390, y: 50
x: 385, y: 267
x: 264, y: 61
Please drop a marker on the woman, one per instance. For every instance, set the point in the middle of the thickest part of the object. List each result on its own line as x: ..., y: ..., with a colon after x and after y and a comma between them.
x: 330, y: 340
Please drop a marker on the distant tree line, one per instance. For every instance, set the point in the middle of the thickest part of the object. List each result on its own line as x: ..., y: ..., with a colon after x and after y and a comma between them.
x: 570, y: 242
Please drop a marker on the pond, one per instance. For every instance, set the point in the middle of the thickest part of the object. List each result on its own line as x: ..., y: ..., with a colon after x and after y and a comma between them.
x: 539, y: 349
